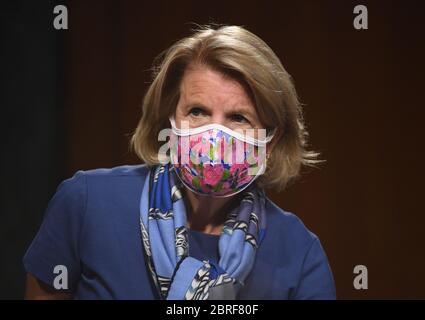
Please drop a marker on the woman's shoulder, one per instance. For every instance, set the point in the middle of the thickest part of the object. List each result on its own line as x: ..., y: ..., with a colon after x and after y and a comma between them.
x: 89, y: 211
x: 298, y: 252
x: 139, y: 170
x: 101, y: 176
x: 117, y: 185
x: 287, y: 226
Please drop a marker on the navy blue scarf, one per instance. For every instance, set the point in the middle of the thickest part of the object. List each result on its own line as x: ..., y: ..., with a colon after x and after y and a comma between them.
x: 177, y: 275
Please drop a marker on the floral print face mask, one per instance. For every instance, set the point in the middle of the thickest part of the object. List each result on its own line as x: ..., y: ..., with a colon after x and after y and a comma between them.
x: 217, y: 161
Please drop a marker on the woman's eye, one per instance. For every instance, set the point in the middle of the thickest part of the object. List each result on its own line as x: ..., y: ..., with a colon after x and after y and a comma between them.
x: 196, y: 112
x: 239, y: 118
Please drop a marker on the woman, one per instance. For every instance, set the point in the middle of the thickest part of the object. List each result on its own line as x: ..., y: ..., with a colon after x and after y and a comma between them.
x: 193, y: 222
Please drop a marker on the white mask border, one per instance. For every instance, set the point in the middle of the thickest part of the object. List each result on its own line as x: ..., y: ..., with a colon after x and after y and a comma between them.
x: 235, y: 134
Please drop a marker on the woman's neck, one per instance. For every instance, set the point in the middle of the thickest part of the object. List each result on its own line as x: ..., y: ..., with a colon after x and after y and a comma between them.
x: 207, y: 214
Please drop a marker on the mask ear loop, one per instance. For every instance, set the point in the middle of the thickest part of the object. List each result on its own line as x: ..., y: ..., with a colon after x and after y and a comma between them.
x: 273, y: 133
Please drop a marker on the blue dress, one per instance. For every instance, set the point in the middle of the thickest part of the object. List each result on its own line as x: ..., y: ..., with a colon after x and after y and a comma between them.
x: 91, y: 226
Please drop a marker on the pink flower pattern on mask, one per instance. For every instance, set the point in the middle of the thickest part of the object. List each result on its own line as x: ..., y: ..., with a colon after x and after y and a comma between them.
x: 212, y: 174
x: 207, y: 163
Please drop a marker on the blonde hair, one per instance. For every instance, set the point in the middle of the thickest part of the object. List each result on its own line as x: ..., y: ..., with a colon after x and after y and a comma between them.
x: 241, y: 55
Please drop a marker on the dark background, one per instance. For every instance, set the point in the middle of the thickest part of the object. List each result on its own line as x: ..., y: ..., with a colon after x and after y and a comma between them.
x: 70, y: 99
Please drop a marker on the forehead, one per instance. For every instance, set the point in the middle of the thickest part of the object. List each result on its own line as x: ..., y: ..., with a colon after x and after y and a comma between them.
x: 210, y: 86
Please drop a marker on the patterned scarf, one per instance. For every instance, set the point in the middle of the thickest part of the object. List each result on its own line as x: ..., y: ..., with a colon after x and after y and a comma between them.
x: 176, y: 275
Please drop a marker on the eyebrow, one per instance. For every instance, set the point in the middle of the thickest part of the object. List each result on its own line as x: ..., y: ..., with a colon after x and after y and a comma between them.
x: 233, y: 110
x: 196, y: 105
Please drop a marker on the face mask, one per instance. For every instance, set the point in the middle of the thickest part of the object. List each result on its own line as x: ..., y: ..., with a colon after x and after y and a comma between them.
x: 216, y: 161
